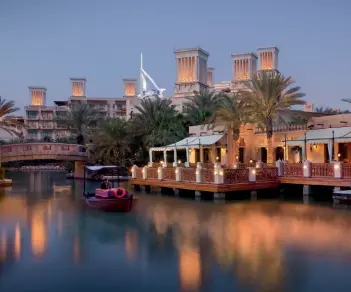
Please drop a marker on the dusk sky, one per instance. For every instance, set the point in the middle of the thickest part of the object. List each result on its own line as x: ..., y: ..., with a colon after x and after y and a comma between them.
x: 45, y: 42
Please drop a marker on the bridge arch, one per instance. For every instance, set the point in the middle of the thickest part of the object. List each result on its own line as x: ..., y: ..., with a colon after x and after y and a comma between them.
x: 40, y: 151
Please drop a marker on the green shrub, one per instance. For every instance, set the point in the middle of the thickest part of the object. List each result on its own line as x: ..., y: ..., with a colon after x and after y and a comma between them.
x: 2, y: 173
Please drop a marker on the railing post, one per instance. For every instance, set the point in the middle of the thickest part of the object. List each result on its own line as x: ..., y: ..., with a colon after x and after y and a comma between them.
x: 160, y: 172
x: 134, y: 171
x: 178, y: 173
x: 218, y: 175
x: 279, y: 164
x: 252, y: 174
x: 198, y: 173
x: 145, y: 172
x: 259, y: 164
x: 338, y: 169
x: 307, y: 168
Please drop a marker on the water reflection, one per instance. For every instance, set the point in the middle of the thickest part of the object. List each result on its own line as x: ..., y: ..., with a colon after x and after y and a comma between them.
x: 169, y: 243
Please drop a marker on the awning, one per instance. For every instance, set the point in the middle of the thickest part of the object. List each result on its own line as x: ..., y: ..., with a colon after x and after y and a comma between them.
x: 191, y: 142
x: 323, y: 136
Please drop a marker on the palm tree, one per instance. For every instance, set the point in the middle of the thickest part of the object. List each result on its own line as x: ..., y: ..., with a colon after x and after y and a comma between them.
x: 199, y: 108
x: 269, y: 95
x: 111, y: 142
x: 80, y: 120
x: 327, y: 110
x: 157, y: 122
x: 8, y: 123
x: 231, y: 112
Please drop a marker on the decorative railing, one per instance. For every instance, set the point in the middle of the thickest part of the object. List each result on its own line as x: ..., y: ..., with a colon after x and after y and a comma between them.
x: 236, y: 176
x: 152, y: 173
x: 285, y: 128
x: 346, y: 171
x: 217, y: 175
x: 139, y: 173
x: 169, y: 174
x: 188, y: 174
x: 266, y: 174
x: 293, y: 169
x: 322, y: 170
x: 208, y: 176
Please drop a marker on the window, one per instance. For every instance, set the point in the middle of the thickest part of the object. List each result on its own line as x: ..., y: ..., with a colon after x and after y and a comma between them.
x: 65, y: 148
x: 47, y: 147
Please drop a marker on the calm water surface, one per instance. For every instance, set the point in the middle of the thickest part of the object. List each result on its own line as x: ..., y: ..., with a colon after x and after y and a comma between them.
x: 49, y: 241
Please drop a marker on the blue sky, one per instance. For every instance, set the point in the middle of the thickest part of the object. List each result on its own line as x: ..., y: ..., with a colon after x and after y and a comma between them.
x: 45, y: 42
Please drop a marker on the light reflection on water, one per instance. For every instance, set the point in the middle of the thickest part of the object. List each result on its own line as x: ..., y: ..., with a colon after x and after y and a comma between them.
x: 49, y: 241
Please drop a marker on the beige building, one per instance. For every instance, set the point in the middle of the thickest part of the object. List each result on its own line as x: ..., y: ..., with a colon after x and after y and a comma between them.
x: 323, y: 139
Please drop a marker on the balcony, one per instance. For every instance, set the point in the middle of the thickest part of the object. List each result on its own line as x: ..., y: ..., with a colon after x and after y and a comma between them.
x: 36, y: 117
x: 32, y: 126
x: 61, y: 126
x: 47, y: 126
x: 47, y: 117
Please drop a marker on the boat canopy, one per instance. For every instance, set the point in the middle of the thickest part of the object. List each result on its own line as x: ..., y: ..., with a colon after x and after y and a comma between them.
x: 99, y: 167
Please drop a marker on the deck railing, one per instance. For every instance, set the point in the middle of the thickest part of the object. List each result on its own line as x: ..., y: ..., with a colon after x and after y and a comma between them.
x: 235, y: 176
x: 322, y: 170
x: 293, y: 169
x: 264, y: 173
x: 205, y: 175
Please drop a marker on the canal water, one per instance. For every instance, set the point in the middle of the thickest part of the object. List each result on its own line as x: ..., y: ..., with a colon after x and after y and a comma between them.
x: 50, y: 241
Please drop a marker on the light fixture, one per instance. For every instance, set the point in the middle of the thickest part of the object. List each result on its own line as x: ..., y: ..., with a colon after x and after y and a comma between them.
x: 179, y: 161
x: 339, y: 155
x: 217, y: 158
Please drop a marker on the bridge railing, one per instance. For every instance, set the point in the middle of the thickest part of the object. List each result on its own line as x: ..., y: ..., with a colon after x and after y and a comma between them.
x: 41, y: 149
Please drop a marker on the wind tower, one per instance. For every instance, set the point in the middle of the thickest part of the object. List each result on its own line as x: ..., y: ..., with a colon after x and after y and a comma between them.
x: 78, y: 88
x: 210, y: 73
x: 130, y: 94
x: 268, y: 59
x: 191, y: 71
x: 37, y: 95
x: 244, y: 66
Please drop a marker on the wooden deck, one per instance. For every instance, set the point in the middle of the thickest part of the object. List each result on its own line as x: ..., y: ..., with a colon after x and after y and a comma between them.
x: 222, y: 188
x: 314, y: 181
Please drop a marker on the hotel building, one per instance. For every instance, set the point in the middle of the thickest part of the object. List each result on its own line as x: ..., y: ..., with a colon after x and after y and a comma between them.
x: 193, y: 74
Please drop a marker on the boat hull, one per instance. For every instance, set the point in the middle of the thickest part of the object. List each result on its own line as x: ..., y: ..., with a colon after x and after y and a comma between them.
x: 111, y: 205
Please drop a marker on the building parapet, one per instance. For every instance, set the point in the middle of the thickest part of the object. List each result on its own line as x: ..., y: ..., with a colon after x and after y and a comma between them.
x: 285, y: 128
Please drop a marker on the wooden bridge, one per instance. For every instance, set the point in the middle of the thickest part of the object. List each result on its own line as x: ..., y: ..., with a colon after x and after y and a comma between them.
x: 45, y: 151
